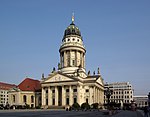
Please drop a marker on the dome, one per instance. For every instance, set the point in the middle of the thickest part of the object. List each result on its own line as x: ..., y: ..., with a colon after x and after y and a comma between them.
x: 72, y: 29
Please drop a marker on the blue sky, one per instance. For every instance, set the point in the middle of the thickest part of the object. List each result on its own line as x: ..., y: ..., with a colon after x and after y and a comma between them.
x: 116, y: 35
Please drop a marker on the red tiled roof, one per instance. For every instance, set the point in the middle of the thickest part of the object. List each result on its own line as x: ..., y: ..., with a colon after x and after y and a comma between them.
x: 30, y: 85
x: 6, y: 86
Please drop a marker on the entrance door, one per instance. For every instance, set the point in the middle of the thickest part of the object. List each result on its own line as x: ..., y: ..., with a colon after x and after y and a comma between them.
x: 59, y: 96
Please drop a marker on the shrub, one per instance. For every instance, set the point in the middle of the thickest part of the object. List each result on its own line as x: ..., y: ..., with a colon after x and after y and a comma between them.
x: 27, y: 106
x: 94, y: 105
x: 85, y: 106
x: 38, y: 107
x: 75, y: 106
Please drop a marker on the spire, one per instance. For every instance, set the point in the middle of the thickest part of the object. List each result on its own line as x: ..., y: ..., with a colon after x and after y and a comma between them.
x: 72, y: 18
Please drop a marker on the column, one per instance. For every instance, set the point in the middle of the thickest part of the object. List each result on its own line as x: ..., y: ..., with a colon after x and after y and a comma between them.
x: 83, y: 61
x: 91, y: 96
x: 81, y: 58
x: 43, y: 96
x: 65, y: 61
x: 97, y: 95
x: 70, y: 62
x: 49, y: 96
x: 56, y: 96
x: 76, y: 59
x: 63, y: 96
x: 94, y: 94
x: 70, y: 96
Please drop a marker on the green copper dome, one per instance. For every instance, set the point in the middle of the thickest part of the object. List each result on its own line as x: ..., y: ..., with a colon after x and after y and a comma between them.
x: 72, y: 29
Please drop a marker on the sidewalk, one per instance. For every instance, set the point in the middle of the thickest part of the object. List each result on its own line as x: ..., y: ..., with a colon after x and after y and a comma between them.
x: 128, y: 114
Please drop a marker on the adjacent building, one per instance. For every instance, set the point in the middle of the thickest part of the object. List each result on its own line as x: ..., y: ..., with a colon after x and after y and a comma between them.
x: 149, y: 99
x: 70, y: 83
x: 4, y: 88
x: 122, y: 92
x: 141, y: 101
x: 28, y: 92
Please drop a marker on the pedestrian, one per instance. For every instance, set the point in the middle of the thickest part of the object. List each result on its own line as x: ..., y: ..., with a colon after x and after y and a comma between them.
x: 145, y: 111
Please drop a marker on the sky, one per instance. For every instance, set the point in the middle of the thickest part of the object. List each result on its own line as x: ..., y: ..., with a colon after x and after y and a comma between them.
x: 116, y: 34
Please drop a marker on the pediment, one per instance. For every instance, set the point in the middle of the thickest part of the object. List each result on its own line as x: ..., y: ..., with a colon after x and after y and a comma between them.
x: 58, y: 78
x: 100, y: 81
x: 14, y: 89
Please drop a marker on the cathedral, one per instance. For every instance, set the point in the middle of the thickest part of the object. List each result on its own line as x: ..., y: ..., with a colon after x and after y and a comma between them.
x: 70, y: 83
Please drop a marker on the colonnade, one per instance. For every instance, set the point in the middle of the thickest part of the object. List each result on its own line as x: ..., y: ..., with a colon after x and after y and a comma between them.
x: 67, y: 95
x: 68, y: 56
x: 98, y: 95
x: 59, y: 95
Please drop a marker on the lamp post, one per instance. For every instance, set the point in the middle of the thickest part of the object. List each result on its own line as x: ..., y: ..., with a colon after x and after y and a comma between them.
x: 108, y: 93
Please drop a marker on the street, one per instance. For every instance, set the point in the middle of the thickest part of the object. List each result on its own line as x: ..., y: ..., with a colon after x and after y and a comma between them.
x: 62, y: 113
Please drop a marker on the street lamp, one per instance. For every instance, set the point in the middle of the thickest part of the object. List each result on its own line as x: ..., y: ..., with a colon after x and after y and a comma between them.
x: 108, y: 93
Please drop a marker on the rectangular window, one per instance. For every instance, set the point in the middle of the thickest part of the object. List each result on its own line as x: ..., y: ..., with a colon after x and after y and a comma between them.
x: 32, y: 99
x: 14, y: 99
x: 73, y: 62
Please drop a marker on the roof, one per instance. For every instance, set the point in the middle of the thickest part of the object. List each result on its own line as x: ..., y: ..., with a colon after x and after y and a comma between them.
x: 93, y: 76
x: 6, y: 86
x: 72, y: 29
x: 30, y: 85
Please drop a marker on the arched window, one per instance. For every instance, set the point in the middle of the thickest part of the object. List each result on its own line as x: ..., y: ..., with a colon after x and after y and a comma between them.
x: 32, y: 99
x: 24, y: 98
x: 14, y: 99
